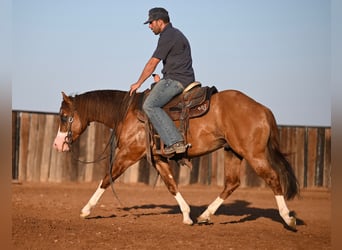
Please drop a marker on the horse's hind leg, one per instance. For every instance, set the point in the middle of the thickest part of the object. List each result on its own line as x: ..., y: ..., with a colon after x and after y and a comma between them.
x: 263, y: 168
x: 232, y: 165
x: 166, y: 174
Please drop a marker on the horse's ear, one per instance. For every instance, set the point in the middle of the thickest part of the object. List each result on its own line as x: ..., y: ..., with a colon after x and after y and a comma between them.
x: 66, y: 98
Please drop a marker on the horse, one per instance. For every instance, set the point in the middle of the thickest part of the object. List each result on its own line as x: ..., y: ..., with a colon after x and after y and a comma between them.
x: 246, y: 129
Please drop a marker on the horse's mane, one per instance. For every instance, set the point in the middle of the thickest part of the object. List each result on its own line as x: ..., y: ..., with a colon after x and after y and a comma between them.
x: 105, y: 105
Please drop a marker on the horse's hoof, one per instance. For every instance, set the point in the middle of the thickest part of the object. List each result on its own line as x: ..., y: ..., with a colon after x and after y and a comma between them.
x: 188, y: 222
x: 292, y: 224
x: 203, y: 221
x: 84, y: 214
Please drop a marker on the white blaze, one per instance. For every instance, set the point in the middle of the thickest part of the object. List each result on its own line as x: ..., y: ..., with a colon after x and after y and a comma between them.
x: 59, y: 141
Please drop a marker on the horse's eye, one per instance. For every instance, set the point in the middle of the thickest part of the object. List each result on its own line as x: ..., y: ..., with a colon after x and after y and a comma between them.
x: 64, y: 118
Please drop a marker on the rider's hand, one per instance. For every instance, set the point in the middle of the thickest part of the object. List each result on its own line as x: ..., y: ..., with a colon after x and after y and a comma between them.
x: 156, y: 77
x: 134, y: 87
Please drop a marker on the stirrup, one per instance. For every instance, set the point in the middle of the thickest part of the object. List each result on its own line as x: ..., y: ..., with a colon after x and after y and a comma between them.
x: 174, y: 150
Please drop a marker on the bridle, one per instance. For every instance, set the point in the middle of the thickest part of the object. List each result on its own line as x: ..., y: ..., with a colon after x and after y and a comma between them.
x: 68, y: 137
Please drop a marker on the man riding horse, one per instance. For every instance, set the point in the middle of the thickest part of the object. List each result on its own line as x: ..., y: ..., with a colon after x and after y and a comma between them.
x: 247, y: 127
x: 174, y: 50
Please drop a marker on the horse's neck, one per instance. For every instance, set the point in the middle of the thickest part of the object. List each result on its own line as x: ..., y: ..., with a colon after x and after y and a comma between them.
x: 101, y: 106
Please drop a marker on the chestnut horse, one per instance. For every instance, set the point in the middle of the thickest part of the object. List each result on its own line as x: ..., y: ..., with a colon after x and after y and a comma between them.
x: 245, y: 128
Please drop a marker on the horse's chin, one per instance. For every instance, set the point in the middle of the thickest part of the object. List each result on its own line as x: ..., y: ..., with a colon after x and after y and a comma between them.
x: 62, y: 148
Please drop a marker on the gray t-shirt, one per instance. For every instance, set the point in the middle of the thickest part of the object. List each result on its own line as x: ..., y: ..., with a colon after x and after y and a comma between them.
x: 174, y: 50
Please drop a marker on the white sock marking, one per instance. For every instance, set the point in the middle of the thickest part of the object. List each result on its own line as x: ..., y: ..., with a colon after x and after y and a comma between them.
x: 184, y: 207
x: 92, y: 201
x: 212, y: 208
x: 284, y: 211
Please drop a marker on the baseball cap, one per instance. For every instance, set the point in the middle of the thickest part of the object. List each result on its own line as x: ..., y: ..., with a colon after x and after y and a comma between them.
x: 156, y: 13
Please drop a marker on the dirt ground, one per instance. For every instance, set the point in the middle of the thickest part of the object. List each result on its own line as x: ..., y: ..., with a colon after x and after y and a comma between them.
x: 46, y: 216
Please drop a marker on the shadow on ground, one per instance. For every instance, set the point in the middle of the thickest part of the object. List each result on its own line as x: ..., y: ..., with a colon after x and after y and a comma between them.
x: 239, y: 208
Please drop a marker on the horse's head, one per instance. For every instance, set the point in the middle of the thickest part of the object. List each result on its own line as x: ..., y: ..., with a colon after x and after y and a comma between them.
x: 70, y: 124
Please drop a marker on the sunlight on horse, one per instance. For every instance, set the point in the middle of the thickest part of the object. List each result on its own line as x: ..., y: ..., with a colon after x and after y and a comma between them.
x: 246, y: 130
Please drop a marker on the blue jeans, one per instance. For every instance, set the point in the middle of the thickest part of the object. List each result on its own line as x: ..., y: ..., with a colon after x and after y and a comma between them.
x: 161, y: 94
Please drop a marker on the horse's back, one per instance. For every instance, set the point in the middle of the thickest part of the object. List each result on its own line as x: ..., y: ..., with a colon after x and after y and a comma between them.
x: 236, y: 96
x: 236, y: 103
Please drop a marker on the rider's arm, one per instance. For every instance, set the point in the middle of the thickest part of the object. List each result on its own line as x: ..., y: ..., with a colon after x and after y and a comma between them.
x: 147, y: 71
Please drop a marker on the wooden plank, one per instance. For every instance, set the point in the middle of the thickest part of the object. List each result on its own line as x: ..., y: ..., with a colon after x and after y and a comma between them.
x: 23, y: 145
x: 298, y: 165
x: 32, y: 148
x: 305, y: 167
x: 55, y: 156
x: 319, y: 170
x: 15, y: 149
x: 47, y: 148
x: 292, y: 145
x: 327, y: 159
x: 312, y: 145
x: 54, y: 165
x: 283, y: 139
x: 40, y: 147
x: 89, y: 153
x: 58, y: 162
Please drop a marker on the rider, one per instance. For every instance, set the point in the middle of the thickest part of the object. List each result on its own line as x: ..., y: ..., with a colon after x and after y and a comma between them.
x: 174, y: 50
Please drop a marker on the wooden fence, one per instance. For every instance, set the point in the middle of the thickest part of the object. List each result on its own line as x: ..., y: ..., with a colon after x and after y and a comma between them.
x: 35, y: 159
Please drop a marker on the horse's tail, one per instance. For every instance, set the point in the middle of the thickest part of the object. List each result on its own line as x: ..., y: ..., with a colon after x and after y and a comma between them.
x: 281, y: 164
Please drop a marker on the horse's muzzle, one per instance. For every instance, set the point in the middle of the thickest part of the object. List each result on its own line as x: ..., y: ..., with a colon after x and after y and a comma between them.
x: 60, y: 143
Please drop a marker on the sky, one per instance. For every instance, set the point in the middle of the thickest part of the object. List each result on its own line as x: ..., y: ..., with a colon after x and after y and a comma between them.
x: 277, y: 52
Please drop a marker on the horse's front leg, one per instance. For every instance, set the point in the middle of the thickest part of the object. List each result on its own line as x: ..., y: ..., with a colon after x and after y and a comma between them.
x: 232, y: 166
x: 166, y: 174
x: 124, y: 159
x: 92, y: 201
